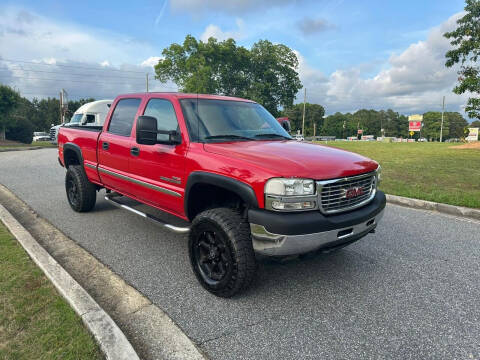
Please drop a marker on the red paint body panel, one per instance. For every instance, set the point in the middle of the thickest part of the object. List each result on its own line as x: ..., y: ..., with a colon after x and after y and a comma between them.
x: 167, y: 167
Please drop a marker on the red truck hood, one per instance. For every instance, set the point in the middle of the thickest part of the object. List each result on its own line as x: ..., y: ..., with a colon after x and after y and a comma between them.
x: 296, y: 159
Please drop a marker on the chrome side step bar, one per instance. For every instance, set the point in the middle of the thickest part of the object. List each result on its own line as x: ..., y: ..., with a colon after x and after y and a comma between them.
x: 176, y: 229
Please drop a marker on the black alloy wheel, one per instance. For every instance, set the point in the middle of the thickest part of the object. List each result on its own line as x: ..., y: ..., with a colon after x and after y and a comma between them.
x: 213, y: 258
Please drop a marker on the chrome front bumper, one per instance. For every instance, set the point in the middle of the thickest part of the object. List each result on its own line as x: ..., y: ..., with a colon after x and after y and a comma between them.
x: 267, y: 243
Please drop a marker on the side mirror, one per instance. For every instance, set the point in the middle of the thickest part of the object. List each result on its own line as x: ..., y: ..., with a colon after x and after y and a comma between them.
x: 89, y: 119
x: 174, y: 138
x: 146, y: 132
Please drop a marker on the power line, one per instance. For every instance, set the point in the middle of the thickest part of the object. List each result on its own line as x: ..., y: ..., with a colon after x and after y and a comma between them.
x: 70, y: 74
x: 69, y: 80
x: 68, y: 66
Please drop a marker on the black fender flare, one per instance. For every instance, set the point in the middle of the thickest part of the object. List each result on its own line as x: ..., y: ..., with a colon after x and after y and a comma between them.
x: 76, y: 149
x: 244, y: 191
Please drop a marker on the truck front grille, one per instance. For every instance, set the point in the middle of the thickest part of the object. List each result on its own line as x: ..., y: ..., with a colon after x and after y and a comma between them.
x: 52, y: 134
x: 347, y: 193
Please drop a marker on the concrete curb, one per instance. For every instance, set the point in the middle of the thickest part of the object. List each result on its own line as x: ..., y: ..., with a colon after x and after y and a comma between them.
x: 26, y: 148
x: 434, y: 206
x: 111, y: 339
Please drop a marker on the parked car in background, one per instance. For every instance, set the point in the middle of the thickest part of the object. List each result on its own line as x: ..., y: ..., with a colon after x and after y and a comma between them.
x: 40, y: 136
x: 89, y: 114
x: 228, y: 169
x: 299, y: 137
x: 422, y: 140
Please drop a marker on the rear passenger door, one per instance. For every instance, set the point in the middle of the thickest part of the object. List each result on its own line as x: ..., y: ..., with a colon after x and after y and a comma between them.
x: 114, y: 146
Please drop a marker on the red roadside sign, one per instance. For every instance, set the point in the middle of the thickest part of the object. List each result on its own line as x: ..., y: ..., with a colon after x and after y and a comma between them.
x: 359, y: 131
x: 414, y: 125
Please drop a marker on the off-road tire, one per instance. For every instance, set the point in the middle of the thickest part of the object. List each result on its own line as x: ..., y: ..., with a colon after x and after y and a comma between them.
x: 76, y: 181
x: 233, y: 232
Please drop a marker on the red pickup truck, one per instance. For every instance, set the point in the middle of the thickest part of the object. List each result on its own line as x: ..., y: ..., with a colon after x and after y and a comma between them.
x: 226, y: 167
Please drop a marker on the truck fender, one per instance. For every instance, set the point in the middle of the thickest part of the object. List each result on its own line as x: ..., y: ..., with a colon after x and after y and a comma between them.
x: 242, y: 190
x: 76, y: 149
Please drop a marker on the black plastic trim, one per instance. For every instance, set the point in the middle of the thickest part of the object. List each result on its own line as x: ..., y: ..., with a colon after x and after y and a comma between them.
x: 76, y: 149
x: 95, y: 128
x: 309, y: 222
x: 244, y: 191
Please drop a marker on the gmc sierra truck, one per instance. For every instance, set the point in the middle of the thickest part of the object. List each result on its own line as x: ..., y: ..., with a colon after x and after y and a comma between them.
x: 227, y: 168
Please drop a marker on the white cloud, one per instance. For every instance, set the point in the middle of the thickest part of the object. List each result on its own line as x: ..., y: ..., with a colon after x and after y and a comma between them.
x: 310, y: 26
x: 151, y: 61
x: 217, y: 33
x: 40, y: 56
x: 226, y: 6
x: 414, y: 80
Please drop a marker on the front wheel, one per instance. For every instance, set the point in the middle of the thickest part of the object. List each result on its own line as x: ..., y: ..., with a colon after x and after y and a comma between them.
x: 221, y: 251
x: 81, y: 193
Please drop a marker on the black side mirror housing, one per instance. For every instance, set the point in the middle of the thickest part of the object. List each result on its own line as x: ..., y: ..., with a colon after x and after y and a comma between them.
x: 147, y: 131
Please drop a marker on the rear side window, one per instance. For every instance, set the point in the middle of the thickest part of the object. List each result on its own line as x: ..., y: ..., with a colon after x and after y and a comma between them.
x: 123, y: 117
x: 164, y: 112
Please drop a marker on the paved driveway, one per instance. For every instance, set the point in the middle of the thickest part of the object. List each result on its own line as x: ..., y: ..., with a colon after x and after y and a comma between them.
x: 410, y: 291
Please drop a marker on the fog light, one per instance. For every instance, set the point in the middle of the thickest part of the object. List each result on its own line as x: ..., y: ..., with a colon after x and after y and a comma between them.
x: 304, y: 205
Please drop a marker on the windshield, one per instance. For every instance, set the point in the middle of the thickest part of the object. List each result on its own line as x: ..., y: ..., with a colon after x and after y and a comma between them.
x: 76, y: 119
x: 226, y: 120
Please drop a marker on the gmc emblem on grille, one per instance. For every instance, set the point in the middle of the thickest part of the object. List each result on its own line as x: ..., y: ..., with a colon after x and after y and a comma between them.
x: 354, y: 192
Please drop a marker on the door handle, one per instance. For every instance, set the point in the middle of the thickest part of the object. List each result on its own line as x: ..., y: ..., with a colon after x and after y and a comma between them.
x: 135, y: 151
x: 105, y: 145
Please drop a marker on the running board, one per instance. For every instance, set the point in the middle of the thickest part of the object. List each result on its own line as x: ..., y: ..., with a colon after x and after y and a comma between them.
x: 176, y: 229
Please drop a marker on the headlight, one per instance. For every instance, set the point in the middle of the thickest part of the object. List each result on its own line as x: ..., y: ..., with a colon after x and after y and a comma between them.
x: 289, y: 187
x: 379, y: 174
x: 290, y: 194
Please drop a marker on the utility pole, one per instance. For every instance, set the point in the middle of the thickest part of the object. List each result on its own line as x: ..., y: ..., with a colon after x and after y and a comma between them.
x: 147, y: 82
x: 314, y: 130
x: 441, y: 126
x: 61, y: 107
x: 303, y: 118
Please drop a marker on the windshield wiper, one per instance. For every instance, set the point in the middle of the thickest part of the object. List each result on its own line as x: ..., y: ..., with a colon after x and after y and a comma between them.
x: 227, y: 136
x: 273, y: 135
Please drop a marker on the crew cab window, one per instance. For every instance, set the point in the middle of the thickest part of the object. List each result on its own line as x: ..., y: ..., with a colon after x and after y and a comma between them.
x: 123, y: 117
x: 164, y: 112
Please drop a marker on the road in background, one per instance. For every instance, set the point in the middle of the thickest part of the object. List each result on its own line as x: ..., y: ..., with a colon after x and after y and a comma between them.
x: 410, y: 291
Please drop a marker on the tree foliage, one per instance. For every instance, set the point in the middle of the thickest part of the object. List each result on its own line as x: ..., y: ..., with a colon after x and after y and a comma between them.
x: 313, y: 115
x: 20, y: 117
x: 9, y: 99
x: 466, y: 41
x: 393, y: 123
x: 267, y: 73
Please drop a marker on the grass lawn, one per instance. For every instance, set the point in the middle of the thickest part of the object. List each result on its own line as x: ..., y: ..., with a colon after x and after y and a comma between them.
x: 5, y: 145
x: 428, y: 171
x: 35, y: 321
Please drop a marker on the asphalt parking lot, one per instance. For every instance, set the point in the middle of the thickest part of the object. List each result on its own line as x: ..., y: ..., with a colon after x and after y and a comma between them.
x: 409, y: 291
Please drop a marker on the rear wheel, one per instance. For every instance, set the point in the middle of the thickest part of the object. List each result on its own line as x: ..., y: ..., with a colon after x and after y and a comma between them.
x: 221, y: 252
x: 81, y: 193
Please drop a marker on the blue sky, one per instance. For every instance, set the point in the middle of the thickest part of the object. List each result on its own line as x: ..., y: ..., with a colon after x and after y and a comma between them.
x: 353, y: 54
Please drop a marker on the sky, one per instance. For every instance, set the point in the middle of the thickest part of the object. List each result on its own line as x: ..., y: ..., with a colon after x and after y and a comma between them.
x: 352, y: 54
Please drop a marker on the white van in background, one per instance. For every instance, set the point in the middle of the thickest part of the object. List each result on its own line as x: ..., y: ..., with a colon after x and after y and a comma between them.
x: 89, y: 114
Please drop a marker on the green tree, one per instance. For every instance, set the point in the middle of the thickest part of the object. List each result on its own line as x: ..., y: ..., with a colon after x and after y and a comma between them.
x: 267, y: 73
x: 456, y: 125
x: 313, y: 115
x: 466, y: 40
x: 9, y: 99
